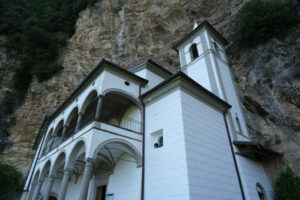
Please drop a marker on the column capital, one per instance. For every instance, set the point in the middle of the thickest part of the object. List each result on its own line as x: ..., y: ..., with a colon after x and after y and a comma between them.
x: 52, y: 176
x: 66, y: 125
x: 35, y: 182
x: 100, y: 96
x: 40, y: 181
x: 68, y: 170
x: 89, y: 160
x: 80, y: 113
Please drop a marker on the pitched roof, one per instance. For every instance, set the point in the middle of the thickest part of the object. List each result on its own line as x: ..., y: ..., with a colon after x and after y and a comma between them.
x: 157, y: 66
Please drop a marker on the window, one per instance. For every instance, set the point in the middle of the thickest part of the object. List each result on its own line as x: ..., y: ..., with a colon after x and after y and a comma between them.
x: 216, y: 48
x: 261, y: 192
x: 157, y: 139
x: 238, y: 124
x: 219, y: 51
x: 160, y: 142
x: 194, y: 52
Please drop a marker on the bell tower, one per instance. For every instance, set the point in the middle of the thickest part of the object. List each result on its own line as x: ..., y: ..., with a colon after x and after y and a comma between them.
x: 203, y: 58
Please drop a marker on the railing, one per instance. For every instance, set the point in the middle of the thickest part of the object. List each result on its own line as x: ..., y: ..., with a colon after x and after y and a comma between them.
x: 11, y: 195
x: 131, y: 124
x: 123, y: 122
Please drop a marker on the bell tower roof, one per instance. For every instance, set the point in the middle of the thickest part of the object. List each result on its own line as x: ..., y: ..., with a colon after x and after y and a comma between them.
x: 205, y: 24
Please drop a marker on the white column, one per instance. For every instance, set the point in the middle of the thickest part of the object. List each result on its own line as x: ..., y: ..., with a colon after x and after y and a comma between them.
x: 64, y: 184
x: 63, y: 135
x: 49, y: 187
x: 99, y: 105
x: 37, y: 189
x: 78, y: 122
x: 49, y: 146
x: 86, y: 179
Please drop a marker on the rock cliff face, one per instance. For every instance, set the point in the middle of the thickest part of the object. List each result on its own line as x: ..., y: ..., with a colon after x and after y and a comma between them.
x: 126, y: 32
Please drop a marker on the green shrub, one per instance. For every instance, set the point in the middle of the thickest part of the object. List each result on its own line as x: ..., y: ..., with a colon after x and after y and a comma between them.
x: 36, y: 30
x: 259, y: 20
x: 287, y: 186
x: 10, y: 178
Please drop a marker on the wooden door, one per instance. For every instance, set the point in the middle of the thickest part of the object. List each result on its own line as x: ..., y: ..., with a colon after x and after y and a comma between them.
x: 101, y: 192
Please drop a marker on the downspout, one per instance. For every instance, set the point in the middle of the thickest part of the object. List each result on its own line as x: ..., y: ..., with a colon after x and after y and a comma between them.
x: 234, y: 158
x: 143, y: 153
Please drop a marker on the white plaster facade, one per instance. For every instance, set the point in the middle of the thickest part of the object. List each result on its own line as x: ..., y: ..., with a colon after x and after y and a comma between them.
x: 145, y: 133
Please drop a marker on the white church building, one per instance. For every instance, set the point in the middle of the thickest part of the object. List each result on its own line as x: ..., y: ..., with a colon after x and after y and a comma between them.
x: 144, y: 133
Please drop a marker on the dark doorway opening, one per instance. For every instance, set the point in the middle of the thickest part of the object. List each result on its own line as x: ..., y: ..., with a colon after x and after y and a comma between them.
x: 52, y: 198
x: 101, y: 190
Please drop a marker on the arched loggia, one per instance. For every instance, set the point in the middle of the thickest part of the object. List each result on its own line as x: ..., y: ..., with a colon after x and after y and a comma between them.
x: 122, y: 161
x: 121, y: 110
x: 71, y: 123
x: 47, y: 143
x: 111, y: 150
x: 58, y: 134
x: 89, y: 108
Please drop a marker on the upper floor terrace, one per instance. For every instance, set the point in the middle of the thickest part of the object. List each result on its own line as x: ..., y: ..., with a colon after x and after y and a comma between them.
x: 108, y: 97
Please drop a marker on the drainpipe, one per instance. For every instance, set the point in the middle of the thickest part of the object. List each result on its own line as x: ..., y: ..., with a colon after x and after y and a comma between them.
x: 234, y: 158
x: 143, y: 153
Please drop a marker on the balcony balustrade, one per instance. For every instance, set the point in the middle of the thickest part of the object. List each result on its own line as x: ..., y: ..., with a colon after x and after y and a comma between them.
x: 107, y: 118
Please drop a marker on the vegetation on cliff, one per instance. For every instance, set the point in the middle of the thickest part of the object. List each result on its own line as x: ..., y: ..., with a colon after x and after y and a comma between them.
x: 259, y: 20
x: 36, y: 30
x: 10, y: 178
x: 287, y: 186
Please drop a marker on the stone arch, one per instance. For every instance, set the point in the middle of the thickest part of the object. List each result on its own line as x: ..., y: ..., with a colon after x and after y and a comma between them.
x: 36, y: 176
x: 125, y: 94
x: 122, y: 110
x: 59, y: 162
x: 126, y: 147
x: 78, y: 149
x: 71, y: 123
x: 88, y: 99
x: 88, y: 109
x: 74, y: 112
x: 58, y: 129
x: 45, y: 170
x: 47, y: 142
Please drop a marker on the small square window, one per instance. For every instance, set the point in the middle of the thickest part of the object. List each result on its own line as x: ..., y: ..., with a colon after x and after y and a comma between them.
x: 157, y: 139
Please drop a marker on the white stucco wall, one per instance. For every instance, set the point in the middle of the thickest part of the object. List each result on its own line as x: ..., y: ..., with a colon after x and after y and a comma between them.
x: 253, y: 173
x: 165, y: 167
x: 198, y: 72
x: 125, y: 182
x: 211, y: 170
x: 153, y: 78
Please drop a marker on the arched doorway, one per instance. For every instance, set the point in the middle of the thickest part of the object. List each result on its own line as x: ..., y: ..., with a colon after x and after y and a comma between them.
x: 52, y: 198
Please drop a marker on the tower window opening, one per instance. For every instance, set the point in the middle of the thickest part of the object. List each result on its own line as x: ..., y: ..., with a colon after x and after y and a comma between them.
x: 194, y: 52
x: 239, y: 125
x: 217, y: 50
